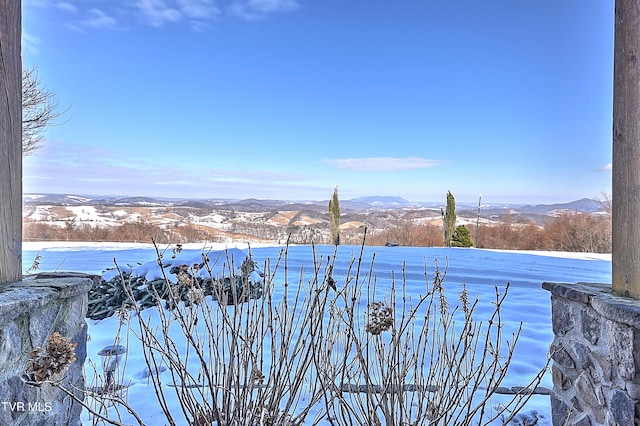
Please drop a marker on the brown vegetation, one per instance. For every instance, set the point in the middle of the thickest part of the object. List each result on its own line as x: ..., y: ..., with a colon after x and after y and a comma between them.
x: 577, y: 232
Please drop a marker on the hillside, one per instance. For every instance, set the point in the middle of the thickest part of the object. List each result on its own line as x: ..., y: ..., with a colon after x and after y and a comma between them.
x: 67, y: 216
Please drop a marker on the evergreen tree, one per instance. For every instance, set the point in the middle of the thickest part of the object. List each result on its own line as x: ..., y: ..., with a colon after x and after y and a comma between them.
x: 462, y: 237
x: 334, y: 217
x: 449, y: 219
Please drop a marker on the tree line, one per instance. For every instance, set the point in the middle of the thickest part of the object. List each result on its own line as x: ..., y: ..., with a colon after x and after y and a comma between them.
x: 578, y: 232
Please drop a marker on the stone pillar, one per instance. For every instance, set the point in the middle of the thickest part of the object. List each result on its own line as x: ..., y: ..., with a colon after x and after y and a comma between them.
x: 596, y: 356
x: 30, y: 311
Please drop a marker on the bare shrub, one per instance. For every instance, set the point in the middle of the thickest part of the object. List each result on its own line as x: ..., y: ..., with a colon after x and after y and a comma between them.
x: 46, y: 365
x: 569, y: 231
x: 405, y: 231
x: 580, y: 232
x: 419, y: 361
x: 238, y: 363
x: 337, y: 345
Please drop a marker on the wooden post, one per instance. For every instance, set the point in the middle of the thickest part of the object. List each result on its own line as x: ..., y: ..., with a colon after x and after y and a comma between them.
x: 626, y: 150
x: 10, y: 141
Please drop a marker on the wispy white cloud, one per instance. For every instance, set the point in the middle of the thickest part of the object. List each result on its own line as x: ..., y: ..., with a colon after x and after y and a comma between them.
x: 96, y: 18
x: 66, y: 6
x: 260, y: 9
x: 157, y: 13
x: 606, y: 168
x: 64, y: 168
x: 198, y: 14
x: 198, y: 9
x: 383, y: 164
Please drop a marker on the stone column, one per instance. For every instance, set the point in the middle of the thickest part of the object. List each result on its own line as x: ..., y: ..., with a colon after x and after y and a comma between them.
x: 596, y: 356
x: 30, y: 312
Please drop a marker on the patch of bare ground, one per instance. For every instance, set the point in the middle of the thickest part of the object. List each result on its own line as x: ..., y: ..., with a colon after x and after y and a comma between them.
x: 306, y: 220
x: 61, y: 213
x: 352, y: 225
x: 282, y: 218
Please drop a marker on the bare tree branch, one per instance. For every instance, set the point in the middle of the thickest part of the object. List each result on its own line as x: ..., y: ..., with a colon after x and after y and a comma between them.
x: 39, y: 110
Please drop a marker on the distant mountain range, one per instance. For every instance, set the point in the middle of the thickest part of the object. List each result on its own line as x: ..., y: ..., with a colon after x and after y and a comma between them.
x: 355, y: 204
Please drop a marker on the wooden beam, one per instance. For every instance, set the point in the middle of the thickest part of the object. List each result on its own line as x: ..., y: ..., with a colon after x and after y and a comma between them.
x: 10, y: 141
x: 626, y: 150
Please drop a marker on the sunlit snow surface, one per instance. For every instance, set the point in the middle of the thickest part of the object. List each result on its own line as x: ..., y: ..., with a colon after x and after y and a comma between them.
x: 480, y: 270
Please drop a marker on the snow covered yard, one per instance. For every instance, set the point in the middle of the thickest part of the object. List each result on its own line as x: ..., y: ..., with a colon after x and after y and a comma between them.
x: 479, y: 270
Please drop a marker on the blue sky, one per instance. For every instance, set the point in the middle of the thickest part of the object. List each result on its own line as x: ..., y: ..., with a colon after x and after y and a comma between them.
x: 288, y: 98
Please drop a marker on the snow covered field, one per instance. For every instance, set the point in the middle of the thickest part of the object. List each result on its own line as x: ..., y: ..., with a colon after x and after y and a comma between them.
x: 480, y: 270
